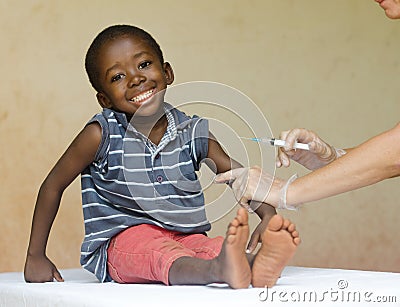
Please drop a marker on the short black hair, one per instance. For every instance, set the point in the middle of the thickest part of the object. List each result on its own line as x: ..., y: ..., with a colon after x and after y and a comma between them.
x: 109, y: 34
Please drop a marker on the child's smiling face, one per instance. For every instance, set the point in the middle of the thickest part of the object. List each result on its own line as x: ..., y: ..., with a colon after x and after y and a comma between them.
x: 130, y: 74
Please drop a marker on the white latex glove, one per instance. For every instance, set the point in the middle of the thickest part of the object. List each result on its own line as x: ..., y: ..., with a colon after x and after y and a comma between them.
x: 320, y: 153
x: 255, y: 184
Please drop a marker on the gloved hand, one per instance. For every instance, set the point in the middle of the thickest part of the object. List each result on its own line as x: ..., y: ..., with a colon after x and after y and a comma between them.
x: 255, y: 184
x: 320, y: 153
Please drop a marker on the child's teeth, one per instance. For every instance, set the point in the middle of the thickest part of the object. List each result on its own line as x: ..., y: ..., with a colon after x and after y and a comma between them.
x: 142, y: 96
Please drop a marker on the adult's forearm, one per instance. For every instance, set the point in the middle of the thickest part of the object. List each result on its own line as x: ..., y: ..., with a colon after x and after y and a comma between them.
x: 373, y: 161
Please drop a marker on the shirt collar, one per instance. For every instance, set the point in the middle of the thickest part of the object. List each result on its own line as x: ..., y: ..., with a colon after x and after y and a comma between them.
x: 169, y: 134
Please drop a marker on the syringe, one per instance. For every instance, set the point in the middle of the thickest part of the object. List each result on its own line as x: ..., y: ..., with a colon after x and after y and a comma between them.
x: 277, y: 142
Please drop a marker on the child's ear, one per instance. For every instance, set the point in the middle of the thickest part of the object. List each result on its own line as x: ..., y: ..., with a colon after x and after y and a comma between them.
x: 169, y: 73
x: 103, y: 100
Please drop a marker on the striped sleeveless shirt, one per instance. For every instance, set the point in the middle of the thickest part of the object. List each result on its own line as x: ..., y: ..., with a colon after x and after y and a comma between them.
x: 133, y: 181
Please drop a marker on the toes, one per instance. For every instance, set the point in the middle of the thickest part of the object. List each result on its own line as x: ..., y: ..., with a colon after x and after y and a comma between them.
x: 242, y: 216
x: 240, y: 220
x: 291, y: 227
x: 295, y: 234
x: 275, y: 223
x: 235, y: 222
x: 286, y: 224
x: 297, y: 241
x: 231, y: 230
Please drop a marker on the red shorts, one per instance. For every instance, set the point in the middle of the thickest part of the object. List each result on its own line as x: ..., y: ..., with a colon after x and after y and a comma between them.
x: 145, y: 253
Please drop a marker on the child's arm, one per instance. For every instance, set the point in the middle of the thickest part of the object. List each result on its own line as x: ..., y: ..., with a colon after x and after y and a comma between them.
x: 265, y: 212
x: 224, y: 163
x: 81, y: 152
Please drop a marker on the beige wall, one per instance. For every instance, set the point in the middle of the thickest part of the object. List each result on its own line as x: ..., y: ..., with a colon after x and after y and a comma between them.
x: 332, y: 66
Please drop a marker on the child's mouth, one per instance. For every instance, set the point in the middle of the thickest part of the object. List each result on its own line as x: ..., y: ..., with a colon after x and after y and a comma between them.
x: 142, y: 97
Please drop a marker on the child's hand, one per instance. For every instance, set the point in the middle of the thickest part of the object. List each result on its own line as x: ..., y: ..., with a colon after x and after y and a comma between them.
x: 256, y: 235
x: 40, y: 269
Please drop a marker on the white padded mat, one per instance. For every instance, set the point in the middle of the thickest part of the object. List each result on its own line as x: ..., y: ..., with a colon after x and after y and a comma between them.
x: 297, y: 286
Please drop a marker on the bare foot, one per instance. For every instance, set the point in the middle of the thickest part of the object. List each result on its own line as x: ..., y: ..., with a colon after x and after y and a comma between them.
x: 279, y: 243
x: 233, y: 264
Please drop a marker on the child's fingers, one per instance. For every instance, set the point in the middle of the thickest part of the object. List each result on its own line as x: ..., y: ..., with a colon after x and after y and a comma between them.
x: 57, y: 276
x: 253, y: 243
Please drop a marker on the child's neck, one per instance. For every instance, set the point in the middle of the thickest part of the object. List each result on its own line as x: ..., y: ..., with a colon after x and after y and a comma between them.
x: 153, y: 127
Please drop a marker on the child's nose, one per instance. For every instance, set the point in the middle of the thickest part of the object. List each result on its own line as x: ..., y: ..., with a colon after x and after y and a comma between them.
x: 136, y: 79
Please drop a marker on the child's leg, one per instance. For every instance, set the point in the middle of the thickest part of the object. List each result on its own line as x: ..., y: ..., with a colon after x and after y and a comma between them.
x: 230, y: 266
x: 279, y: 243
x: 143, y: 254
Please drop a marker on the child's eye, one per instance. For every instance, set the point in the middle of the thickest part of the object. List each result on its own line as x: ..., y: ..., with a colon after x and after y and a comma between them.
x: 144, y: 64
x: 117, y: 77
